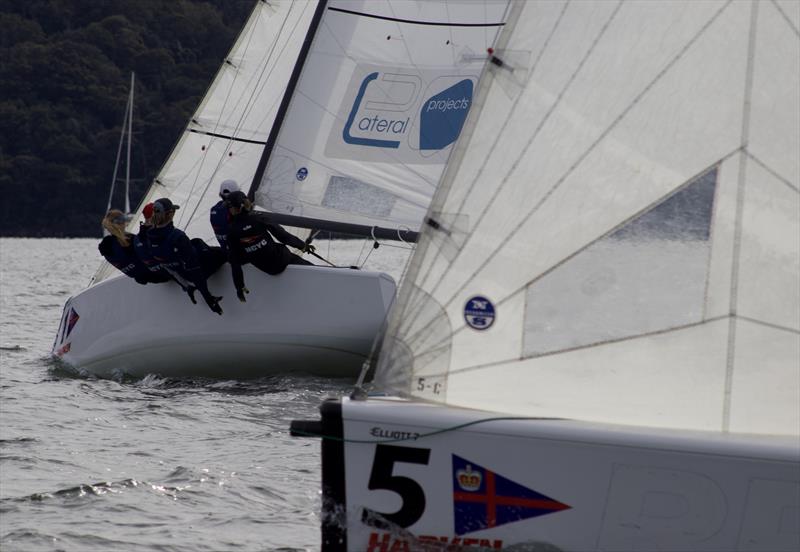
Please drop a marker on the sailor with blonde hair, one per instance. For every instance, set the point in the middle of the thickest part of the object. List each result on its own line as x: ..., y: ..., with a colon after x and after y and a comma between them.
x: 117, y: 248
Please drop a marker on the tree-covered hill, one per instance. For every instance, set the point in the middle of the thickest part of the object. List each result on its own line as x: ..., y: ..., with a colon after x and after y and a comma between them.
x: 65, y: 70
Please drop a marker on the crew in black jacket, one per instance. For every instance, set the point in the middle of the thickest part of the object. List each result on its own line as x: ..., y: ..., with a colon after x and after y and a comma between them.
x: 118, y: 249
x: 179, y: 255
x: 253, y: 240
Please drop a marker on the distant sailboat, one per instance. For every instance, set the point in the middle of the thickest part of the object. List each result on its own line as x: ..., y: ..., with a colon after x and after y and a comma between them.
x: 335, y: 116
x: 598, y: 337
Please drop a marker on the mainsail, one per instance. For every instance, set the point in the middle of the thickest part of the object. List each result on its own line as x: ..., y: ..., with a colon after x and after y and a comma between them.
x: 336, y: 110
x: 617, y: 237
x: 382, y: 97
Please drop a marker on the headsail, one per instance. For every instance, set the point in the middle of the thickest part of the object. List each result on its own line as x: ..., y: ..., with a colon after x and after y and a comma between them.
x: 617, y: 237
x: 227, y: 132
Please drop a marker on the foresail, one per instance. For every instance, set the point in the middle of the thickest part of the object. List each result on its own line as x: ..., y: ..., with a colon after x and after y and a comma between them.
x: 226, y: 135
x: 617, y: 237
x: 382, y: 97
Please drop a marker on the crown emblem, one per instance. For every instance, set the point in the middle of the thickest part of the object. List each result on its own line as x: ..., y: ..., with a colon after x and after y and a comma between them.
x: 468, y: 479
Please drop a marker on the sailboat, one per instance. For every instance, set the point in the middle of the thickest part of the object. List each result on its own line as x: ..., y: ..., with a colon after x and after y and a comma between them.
x: 334, y: 116
x: 597, y: 343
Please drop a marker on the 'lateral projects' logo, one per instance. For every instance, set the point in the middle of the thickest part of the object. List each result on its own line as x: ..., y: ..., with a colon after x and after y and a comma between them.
x: 411, y: 115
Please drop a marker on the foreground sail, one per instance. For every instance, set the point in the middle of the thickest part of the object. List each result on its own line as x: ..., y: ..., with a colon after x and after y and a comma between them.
x: 337, y: 116
x: 611, y: 272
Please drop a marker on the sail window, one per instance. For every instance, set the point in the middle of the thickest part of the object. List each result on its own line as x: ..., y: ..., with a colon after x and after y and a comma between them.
x: 647, y: 276
x: 352, y: 195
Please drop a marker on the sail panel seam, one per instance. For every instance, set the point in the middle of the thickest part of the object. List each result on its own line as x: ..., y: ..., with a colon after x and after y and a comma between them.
x: 582, y: 347
x: 786, y: 18
x: 594, y: 144
x: 496, y: 141
x: 533, y: 136
x: 773, y: 172
x: 737, y: 232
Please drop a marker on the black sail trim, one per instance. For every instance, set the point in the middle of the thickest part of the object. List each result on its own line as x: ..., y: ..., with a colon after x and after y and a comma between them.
x: 287, y: 97
x: 234, y: 138
x: 416, y: 22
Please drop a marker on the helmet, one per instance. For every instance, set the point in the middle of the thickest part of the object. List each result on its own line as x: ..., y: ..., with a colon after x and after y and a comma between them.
x: 226, y: 187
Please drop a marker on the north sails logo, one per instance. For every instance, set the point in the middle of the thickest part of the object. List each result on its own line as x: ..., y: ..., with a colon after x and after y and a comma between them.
x: 383, y: 113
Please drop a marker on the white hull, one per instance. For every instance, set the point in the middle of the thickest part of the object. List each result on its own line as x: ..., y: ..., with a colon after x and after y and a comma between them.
x: 600, y: 487
x: 307, y: 319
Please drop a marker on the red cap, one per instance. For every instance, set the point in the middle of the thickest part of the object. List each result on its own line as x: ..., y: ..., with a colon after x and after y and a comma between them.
x: 148, y: 211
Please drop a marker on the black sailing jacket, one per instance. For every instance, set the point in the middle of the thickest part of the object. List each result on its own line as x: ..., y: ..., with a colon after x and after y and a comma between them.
x: 251, y: 240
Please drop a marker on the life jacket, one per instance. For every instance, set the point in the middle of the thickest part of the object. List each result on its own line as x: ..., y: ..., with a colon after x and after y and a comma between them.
x: 141, y: 247
x: 255, y: 244
x: 220, y: 222
x: 175, y: 254
x: 123, y: 258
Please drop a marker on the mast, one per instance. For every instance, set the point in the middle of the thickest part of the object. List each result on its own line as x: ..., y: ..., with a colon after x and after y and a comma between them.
x: 126, y: 125
x: 128, y: 162
x: 287, y: 98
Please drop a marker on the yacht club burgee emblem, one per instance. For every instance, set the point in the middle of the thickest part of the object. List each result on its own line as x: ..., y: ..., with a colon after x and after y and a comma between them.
x: 483, y: 499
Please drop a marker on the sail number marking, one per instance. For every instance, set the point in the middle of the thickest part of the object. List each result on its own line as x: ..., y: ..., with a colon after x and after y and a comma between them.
x: 436, y: 387
x: 411, y: 492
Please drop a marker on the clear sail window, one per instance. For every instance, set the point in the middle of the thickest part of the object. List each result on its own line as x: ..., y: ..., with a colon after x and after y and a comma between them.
x: 349, y: 194
x: 648, y: 275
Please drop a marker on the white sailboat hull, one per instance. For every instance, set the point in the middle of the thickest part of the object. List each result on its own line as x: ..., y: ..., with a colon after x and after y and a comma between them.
x: 549, y: 484
x: 307, y: 319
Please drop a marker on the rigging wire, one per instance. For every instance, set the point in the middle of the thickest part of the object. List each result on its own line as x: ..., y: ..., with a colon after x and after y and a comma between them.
x: 249, y: 101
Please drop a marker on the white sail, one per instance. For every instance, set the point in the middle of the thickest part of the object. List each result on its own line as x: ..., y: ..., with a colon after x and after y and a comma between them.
x: 226, y: 135
x: 382, y: 97
x: 617, y: 238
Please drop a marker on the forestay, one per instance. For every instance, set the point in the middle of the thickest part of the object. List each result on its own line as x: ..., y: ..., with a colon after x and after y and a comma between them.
x: 227, y: 133
x: 382, y: 96
x: 616, y: 238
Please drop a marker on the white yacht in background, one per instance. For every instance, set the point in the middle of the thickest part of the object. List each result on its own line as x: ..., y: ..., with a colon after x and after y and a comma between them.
x: 597, y: 342
x: 334, y: 116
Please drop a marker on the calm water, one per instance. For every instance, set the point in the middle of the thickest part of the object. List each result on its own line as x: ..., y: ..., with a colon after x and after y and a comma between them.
x: 149, y: 464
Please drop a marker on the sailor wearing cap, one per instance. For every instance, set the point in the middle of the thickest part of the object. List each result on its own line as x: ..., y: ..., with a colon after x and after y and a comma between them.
x: 252, y: 240
x: 176, y: 253
x: 220, y: 218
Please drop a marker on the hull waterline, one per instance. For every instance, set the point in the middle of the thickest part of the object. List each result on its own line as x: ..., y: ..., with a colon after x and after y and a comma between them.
x: 306, y: 317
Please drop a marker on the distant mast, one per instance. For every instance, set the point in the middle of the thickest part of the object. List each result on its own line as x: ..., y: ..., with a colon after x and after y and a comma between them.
x: 127, y: 130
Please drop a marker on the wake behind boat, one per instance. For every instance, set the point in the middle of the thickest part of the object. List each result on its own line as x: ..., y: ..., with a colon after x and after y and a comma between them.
x: 332, y: 116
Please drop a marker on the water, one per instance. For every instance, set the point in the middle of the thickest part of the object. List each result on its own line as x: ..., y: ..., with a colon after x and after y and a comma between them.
x: 151, y: 464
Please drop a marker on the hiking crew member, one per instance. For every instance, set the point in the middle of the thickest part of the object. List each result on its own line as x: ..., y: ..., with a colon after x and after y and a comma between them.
x: 252, y: 240
x: 118, y: 249
x: 220, y: 217
x: 179, y: 255
x: 141, y: 247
